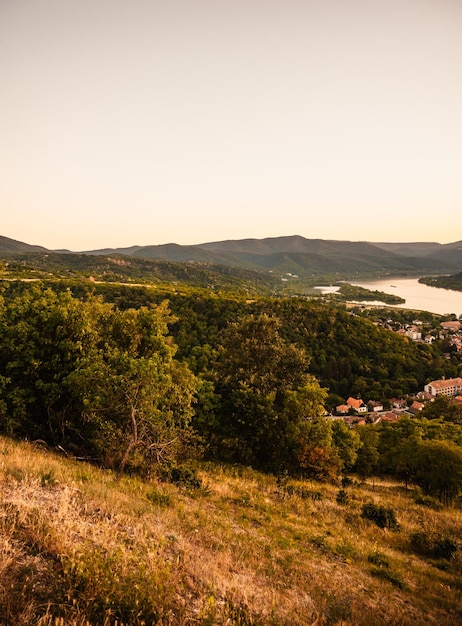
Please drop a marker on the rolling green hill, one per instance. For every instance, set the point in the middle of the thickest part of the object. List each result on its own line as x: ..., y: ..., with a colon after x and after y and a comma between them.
x: 303, y: 256
x: 240, y: 263
x: 132, y: 270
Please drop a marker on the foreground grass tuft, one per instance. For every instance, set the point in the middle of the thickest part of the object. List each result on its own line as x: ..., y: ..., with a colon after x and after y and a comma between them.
x: 217, y: 545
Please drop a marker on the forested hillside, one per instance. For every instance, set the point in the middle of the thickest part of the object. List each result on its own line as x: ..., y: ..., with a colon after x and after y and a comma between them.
x: 119, y: 373
x: 444, y: 282
x: 131, y: 270
x: 279, y: 255
x: 349, y: 355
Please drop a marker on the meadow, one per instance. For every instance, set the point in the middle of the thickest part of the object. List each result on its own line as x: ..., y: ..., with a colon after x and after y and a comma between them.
x: 219, y: 545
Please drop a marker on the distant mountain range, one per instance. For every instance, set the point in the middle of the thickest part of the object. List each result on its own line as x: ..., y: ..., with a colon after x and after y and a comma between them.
x: 292, y: 254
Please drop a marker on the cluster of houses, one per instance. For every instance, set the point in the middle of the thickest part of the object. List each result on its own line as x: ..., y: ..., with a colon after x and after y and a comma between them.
x: 356, y: 411
x: 450, y: 330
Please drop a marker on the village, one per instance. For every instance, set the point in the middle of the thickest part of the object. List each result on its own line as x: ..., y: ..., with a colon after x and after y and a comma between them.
x: 356, y: 411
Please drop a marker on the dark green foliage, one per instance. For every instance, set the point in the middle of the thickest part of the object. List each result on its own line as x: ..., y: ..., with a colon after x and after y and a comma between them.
x: 377, y: 558
x: 268, y: 402
x: 425, y: 452
x: 383, y: 517
x: 428, y: 502
x: 112, y: 268
x: 159, y: 498
x: 368, y: 454
x: 347, y: 443
x: 438, y: 469
x: 342, y: 497
x: 68, y: 358
x: 389, y: 576
x: 443, y: 408
x: 88, y: 377
x: 433, y: 545
x: 445, y: 282
x: 182, y: 475
x: 43, y: 336
x: 348, y: 354
x: 360, y: 294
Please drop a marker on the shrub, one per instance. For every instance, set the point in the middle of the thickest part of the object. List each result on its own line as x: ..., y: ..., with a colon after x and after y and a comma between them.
x: 377, y: 558
x: 182, y: 476
x: 386, y: 574
x: 303, y: 493
x: 156, y: 497
x: 382, y: 516
x: 429, y: 502
x: 347, y: 481
x: 433, y: 545
x: 342, y: 497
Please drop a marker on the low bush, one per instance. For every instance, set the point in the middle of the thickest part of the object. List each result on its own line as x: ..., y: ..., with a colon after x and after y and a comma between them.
x: 158, y: 498
x: 301, y: 492
x: 389, y: 576
x: 377, y: 558
x: 342, y: 497
x: 382, y: 516
x: 433, y: 545
x: 182, y: 476
x: 429, y: 502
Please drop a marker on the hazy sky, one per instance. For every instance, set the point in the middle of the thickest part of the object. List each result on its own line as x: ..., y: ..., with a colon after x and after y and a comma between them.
x: 129, y: 122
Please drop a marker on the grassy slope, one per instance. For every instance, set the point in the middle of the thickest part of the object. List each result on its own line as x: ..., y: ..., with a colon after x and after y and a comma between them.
x: 76, y: 546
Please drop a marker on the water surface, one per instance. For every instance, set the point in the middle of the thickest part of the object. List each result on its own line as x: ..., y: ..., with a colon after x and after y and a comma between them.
x: 418, y: 296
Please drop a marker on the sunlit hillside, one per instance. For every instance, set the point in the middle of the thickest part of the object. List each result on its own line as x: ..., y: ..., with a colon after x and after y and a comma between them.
x: 218, y: 546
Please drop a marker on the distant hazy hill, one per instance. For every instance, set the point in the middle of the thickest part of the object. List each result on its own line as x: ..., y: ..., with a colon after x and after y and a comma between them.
x: 450, y: 253
x: 11, y: 246
x: 302, y: 256
x: 411, y: 249
x: 293, y: 254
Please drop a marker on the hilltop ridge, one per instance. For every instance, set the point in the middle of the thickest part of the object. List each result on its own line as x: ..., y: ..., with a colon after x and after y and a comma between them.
x: 287, y: 254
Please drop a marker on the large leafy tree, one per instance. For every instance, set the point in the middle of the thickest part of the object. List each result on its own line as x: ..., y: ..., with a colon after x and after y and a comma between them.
x: 346, y: 442
x: 368, y: 454
x: 85, y: 375
x: 438, y: 469
x: 443, y: 408
x: 137, y: 400
x: 266, y: 395
x: 42, y: 336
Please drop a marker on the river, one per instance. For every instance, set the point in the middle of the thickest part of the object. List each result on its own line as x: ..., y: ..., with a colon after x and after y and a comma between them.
x: 418, y: 296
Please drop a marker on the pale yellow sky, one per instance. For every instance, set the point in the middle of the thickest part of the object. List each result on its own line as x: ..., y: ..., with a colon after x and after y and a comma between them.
x: 148, y: 121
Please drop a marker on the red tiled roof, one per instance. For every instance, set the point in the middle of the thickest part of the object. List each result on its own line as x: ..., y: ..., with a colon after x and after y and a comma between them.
x: 355, y: 403
x: 444, y: 384
x: 390, y: 417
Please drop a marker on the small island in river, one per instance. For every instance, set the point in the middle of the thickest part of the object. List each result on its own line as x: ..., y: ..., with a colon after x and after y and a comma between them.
x: 348, y: 293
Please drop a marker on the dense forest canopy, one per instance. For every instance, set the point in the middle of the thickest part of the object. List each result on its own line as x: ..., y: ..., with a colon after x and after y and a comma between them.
x: 136, y: 377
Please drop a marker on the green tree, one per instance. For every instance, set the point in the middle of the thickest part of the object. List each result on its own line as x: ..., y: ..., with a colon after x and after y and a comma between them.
x: 438, y: 469
x: 42, y: 336
x: 137, y: 399
x: 445, y: 408
x: 266, y: 394
x: 368, y: 455
x: 316, y: 456
x: 85, y: 375
x: 346, y: 442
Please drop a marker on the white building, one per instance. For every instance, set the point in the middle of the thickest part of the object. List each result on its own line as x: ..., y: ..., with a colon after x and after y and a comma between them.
x: 449, y: 387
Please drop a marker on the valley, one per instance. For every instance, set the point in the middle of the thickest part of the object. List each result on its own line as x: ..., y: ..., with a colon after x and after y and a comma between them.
x: 174, y: 448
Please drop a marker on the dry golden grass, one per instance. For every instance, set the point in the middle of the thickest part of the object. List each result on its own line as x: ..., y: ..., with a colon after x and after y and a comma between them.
x: 78, y: 548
